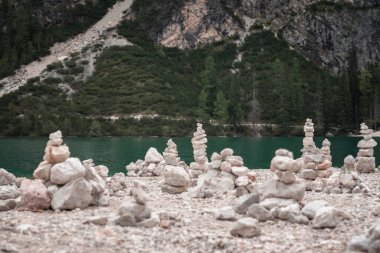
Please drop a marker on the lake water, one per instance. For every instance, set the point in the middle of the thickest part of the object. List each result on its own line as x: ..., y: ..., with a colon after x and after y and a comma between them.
x: 21, y: 155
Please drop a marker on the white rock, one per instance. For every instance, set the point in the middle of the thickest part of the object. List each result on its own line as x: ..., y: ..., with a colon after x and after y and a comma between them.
x: 226, y: 152
x: 326, y: 217
x: 62, y: 173
x: 176, y: 176
x: 310, y: 209
x: 153, y: 156
x: 6, y: 177
x: 239, y: 171
x: 259, y: 212
x: 246, y: 227
x: 43, y: 171
x: 242, y: 181
x: 226, y: 213
x: 55, y: 135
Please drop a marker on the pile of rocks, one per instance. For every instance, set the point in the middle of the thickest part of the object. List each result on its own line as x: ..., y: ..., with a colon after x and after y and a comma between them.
x: 63, y: 183
x: 9, y: 192
x: 199, y: 142
x: 317, y: 163
x: 226, y: 173
x: 282, y: 198
x: 117, y: 184
x: 153, y: 165
x: 326, y: 152
x: 171, y: 155
x: 349, y: 164
x: 365, y: 162
x: 366, y: 243
x: 137, y: 212
x: 344, y: 182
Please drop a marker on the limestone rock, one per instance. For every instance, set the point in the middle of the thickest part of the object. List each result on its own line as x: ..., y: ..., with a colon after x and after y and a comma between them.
x: 43, y: 171
x: 153, y: 156
x: 246, y: 227
x: 9, y: 192
x: 259, y: 212
x: 75, y: 194
x: 6, y: 177
x: 276, y: 189
x: 173, y: 189
x: 311, y: 208
x: 6, y: 205
x: 55, y: 135
x: 34, y: 195
x: 246, y: 201
x: 67, y: 171
x: 226, y: 213
x: 176, y: 176
x: 272, y: 203
x: 326, y: 217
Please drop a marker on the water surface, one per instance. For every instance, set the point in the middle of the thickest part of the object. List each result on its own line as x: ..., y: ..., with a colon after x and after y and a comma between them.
x: 21, y: 155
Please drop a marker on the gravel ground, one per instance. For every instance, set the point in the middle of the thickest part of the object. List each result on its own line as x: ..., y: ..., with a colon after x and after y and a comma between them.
x: 195, y: 228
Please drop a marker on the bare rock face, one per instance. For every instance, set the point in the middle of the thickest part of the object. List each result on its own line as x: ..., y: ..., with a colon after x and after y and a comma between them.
x: 34, y: 195
x: 316, y: 29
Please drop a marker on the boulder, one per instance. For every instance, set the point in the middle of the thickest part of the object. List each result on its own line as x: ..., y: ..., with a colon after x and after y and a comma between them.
x: 75, y: 194
x: 9, y: 192
x: 34, y: 195
x: 153, y: 156
x: 43, y: 171
x: 176, y: 176
x: 6, y: 177
x: 62, y: 173
x: 326, y: 217
x: 246, y: 227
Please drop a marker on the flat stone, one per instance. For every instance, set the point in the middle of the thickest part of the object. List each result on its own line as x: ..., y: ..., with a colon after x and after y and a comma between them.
x: 277, y: 189
x: 287, y: 177
x: 246, y: 201
x: 271, y: 203
x: 97, y: 220
x: 226, y: 152
x: 282, y: 163
x: 246, y: 227
x: 309, y: 174
x: 173, y: 189
x: 365, y: 164
x: 364, y: 144
x: 239, y: 171
x: 226, y: 213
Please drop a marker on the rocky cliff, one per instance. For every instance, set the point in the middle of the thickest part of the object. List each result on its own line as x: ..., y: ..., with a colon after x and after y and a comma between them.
x: 325, y: 32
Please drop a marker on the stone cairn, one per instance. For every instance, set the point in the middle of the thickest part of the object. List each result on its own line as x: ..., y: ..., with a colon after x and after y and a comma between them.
x: 344, y: 181
x: 317, y: 163
x: 282, y: 198
x: 199, y: 142
x: 63, y: 182
x: 366, y: 243
x: 365, y: 162
x: 226, y: 173
x: 349, y: 164
x: 171, y: 156
x: 153, y: 165
x: 9, y: 191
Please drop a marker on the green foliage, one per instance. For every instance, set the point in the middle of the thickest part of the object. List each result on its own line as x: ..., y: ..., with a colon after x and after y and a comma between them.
x: 221, y: 108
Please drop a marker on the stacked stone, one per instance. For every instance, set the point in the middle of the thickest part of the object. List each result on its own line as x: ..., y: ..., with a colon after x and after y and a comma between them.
x: 171, y: 154
x: 282, y: 198
x: 326, y: 144
x: 153, y: 165
x: 317, y: 163
x: 117, y: 184
x: 349, y: 164
x: 309, y: 147
x: 226, y: 173
x: 199, y: 142
x: 365, y: 162
x: 9, y: 191
x: 344, y: 182
x: 63, y: 183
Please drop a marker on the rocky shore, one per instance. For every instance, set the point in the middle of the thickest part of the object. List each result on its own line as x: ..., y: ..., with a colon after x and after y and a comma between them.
x: 193, y: 225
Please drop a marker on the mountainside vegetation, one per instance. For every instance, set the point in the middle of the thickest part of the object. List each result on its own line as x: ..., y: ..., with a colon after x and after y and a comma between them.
x: 226, y: 86
x: 30, y: 27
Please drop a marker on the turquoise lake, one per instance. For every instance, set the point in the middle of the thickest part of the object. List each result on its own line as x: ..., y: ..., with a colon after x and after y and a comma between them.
x: 21, y: 155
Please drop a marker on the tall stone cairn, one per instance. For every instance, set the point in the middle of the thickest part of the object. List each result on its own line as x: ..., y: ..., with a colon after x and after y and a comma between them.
x: 326, y: 144
x: 309, y: 146
x: 365, y: 162
x: 199, y: 142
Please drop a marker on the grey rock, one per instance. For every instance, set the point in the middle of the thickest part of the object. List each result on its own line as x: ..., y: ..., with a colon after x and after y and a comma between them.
x: 138, y: 211
x: 62, y: 173
x: 9, y: 192
x: 310, y: 209
x: 276, y: 189
x: 271, y: 203
x: 358, y: 244
x: 246, y: 227
x: 6, y: 205
x: 326, y: 217
x: 259, y: 212
x: 226, y: 213
x: 173, y: 189
x: 6, y: 177
x: 97, y: 220
x: 246, y: 201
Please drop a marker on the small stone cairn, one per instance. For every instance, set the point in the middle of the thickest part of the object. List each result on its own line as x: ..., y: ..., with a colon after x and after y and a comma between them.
x: 317, y: 163
x: 153, y: 165
x: 171, y: 156
x: 282, y: 198
x: 226, y: 173
x: 365, y: 162
x: 344, y: 182
x: 199, y: 142
x: 349, y: 164
x: 63, y: 182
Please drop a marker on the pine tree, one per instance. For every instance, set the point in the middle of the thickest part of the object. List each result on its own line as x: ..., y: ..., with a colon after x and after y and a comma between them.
x: 367, y: 91
x: 202, y: 105
x: 221, y: 108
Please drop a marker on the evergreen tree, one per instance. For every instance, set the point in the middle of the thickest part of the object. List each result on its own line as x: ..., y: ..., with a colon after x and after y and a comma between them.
x: 202, y: 105
x: 221, y: 108
x: 367, y: 91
